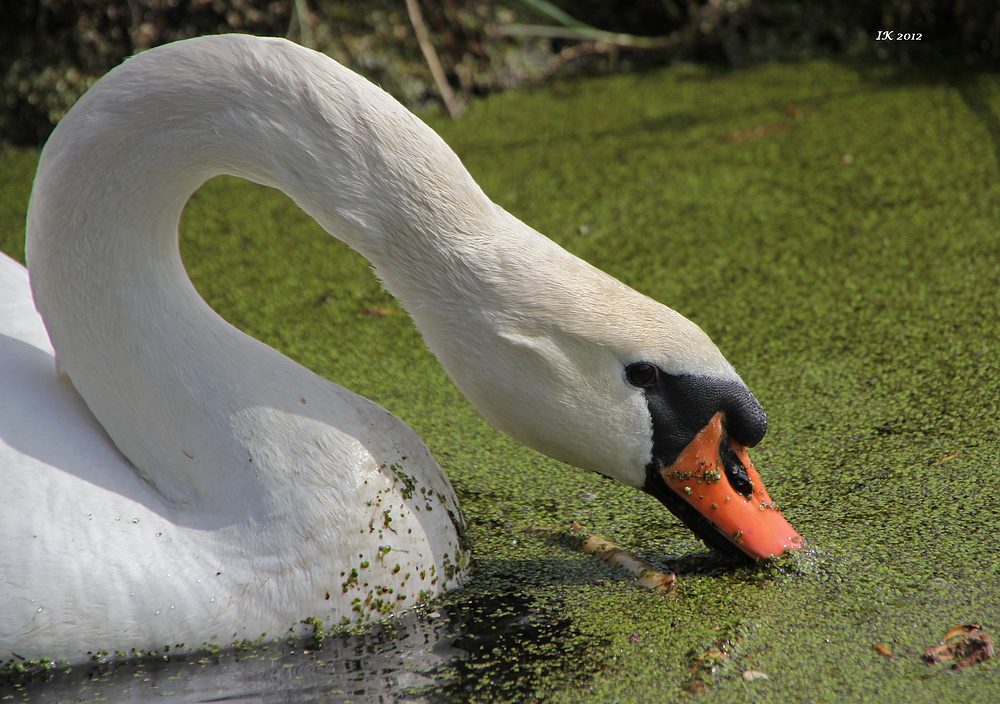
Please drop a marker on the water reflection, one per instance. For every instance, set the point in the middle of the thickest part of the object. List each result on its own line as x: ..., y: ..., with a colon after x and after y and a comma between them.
x: 514, y: 649
x: 495, y: 648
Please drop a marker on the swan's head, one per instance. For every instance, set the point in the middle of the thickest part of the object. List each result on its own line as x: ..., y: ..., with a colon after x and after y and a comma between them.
x: 583, y: 368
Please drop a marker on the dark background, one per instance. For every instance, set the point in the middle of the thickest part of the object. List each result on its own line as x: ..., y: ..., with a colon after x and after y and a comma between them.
x: 51, y: 51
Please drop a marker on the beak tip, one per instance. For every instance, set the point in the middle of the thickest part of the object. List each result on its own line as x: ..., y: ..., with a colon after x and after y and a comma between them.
x: 747, y: 517
x: 771, y: 539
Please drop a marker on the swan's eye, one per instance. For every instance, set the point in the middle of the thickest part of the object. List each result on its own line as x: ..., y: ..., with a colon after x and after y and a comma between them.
x: 641, y: 374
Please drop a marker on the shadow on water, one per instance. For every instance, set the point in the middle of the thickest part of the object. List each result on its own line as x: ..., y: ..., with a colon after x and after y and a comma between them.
x: 979, y: 95
x: 978, y: 100
x: 499, y: 648
x: 513, y: 650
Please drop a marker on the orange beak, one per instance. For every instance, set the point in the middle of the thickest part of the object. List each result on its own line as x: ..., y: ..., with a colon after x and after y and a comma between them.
x: 736, y: 504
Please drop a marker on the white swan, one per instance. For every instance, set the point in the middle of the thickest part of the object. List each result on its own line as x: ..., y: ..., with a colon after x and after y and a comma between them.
x: 256, y: 494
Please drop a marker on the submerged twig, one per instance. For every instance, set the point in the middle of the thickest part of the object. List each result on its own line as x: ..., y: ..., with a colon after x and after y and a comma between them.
x: 646, y: 574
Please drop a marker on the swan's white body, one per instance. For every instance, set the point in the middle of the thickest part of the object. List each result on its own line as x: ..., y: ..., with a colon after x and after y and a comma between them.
x: 256, y: 494
x: 94, y: 557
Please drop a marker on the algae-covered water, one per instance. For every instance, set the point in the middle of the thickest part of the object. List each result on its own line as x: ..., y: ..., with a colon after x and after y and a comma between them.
x: 836, y: 230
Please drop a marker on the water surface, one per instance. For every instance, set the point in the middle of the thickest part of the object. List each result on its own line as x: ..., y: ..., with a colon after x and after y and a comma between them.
x: 836, y: 230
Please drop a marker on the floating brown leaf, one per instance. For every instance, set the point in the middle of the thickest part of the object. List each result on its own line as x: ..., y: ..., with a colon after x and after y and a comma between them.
x: 966, y: 645
x: 884, y: 651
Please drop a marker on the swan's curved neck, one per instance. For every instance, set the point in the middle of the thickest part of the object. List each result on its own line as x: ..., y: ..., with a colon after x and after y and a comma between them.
x: 103, y: 252
x: 158, y: 127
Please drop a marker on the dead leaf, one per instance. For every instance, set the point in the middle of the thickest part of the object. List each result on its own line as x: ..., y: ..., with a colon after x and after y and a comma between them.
x: 966, y: 645
x: 884, y: 651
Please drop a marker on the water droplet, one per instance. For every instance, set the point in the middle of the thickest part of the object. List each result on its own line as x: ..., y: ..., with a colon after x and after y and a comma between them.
x: 135, y: 520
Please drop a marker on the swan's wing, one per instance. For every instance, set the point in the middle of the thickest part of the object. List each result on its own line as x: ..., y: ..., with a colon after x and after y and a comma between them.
x: 62, y: 481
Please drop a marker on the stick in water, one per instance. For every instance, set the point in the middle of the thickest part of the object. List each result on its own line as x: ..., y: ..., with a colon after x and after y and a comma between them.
x: 646, y: 575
